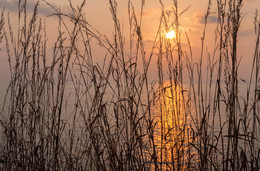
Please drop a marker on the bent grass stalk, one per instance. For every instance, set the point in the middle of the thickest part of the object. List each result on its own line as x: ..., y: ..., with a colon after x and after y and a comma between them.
x: 64, y: 111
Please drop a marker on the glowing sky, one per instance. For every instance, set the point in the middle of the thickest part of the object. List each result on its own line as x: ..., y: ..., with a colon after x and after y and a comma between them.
x: 98, y: 15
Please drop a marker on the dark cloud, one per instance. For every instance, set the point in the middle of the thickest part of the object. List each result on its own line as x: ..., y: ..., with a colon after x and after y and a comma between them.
x: 212, y: 19
x: 200, y: 18
x: 245, y: 33
x: 12, y: 6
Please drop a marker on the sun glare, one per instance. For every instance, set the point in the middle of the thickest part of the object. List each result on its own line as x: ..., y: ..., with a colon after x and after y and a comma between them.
x: 170, y: 35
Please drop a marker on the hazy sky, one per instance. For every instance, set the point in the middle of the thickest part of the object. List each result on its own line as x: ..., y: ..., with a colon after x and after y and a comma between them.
x: 98, y: 15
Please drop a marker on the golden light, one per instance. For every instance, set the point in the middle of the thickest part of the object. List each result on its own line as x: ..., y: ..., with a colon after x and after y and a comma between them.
x: 170, y: 35
x: 171, y: 130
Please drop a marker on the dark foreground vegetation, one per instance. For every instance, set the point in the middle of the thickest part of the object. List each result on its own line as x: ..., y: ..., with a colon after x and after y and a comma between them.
x: 63, y: 111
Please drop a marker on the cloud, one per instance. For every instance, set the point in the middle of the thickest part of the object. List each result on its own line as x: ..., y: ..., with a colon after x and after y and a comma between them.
x: 212, y: 19
x: 156, y: 12
x: 245, y: 33
x: 199, y: 17
x: 12, y: 6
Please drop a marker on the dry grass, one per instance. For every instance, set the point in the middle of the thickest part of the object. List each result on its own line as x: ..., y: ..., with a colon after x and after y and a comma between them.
x: 63, y: 111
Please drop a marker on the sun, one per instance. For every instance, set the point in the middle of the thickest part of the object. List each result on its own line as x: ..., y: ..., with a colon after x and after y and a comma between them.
x: 170, y: 35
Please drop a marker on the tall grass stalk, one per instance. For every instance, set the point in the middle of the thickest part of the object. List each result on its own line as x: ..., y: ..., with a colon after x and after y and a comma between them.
x: 65, y: 111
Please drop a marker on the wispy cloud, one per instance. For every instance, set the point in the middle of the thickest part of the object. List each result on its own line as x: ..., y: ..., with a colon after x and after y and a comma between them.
x: 245, y: 33
x: 12, y: 6
x: 199, y: 17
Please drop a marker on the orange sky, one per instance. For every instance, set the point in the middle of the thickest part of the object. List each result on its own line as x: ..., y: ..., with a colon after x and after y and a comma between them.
x: 98, y: 15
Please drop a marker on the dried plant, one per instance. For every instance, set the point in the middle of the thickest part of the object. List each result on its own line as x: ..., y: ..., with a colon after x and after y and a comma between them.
x: 64, y: 111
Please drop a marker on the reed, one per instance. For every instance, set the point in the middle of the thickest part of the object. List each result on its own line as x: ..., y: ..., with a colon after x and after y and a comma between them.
x: 64, y: 111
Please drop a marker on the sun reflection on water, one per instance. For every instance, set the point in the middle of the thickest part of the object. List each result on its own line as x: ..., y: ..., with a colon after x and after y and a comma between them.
x: 171, y: 137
